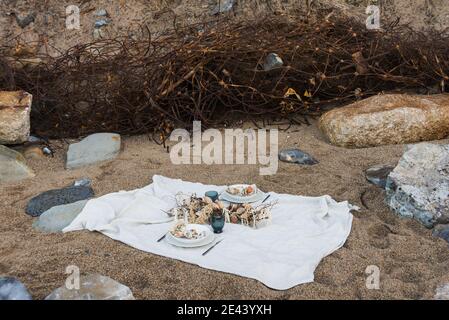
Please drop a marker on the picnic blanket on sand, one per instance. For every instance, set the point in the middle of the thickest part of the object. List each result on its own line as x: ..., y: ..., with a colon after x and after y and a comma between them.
x: 282, y: 255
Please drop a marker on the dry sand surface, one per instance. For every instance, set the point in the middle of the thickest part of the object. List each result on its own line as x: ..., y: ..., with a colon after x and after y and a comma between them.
x: 411, y: 261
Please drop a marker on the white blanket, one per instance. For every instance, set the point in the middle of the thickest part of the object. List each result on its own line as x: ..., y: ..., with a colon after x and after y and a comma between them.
x: 282, y: 255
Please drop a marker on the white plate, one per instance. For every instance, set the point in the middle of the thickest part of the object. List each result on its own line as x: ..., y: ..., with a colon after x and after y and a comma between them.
x: 204, y: 242
x: 257, y: 196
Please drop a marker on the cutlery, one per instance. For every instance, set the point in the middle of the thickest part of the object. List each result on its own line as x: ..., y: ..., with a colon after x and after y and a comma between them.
x: 162, y: 238
x: 266, y: 198
x: 168, y: 213
x: 207, y: 251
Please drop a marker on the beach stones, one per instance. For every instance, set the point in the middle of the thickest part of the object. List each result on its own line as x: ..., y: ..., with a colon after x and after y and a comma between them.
x: 95, y: 148
x: 297, y: 156
x: 441, y: 231
x: 377, y: 175
x: 41, y: 203
x: 15, y: 108
x: 13, y: 166
x: 57, y: 218
x: 419, y: 185
x: 13, y: 289
x: 387, y: 119
x: 93, y: 287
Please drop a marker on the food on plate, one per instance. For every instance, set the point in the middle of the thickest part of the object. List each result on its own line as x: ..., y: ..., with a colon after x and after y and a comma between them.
x: 183, y: 231
x: 242, y: 190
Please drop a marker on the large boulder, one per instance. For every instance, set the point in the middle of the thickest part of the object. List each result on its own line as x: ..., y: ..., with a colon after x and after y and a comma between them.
x: 95, y: 148
x: 388, y: 119
x: 13, y: 166
x: 419, y: 185
x: 15, y: 108
x: 93, y: 287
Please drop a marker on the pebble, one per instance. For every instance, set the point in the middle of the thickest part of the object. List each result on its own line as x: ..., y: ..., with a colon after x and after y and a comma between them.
x: 297, y: 156
x: 378, y: 175
x: 57, y: 218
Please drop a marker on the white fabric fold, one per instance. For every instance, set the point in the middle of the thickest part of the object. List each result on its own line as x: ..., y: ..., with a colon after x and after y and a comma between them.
x: 282, y: 255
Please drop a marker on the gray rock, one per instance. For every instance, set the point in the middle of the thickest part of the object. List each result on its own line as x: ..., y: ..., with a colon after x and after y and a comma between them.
x: 442, y: 292
x: 101, y: 23
x: 419, y: 185
x: 441, y: 231
x: 273, y: 61
x: 13, y: 166
x: 25, y: 21
x: 92, y: 149
x: 13, y: 289
x: 57, y: 218
x: 101, y: 13
x: 93, y: 287
x: 223, y: 6
x: 297, y: 156
x: 378, y: 175
x: 41, y: 203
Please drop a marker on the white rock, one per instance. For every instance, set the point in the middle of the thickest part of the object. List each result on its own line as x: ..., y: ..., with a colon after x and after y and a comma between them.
x: 93, y: 149
x: 93, y: 287
x: 15, y: 108
x: 419, y: 185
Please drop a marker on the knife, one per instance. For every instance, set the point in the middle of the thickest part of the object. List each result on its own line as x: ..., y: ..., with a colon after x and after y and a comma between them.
x: 162, y: 238
x: 207, y: 251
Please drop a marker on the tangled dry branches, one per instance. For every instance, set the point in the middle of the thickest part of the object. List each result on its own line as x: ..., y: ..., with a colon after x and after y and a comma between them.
x: 213, y: 72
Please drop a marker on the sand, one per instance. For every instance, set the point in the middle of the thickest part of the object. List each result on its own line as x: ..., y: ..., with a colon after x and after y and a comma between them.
x: 412, y: 263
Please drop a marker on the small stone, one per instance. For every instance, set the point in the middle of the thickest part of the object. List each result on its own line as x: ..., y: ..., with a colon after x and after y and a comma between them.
x: 378, y: 175
x: 13, y: 166
x: 297, y: 156
x: 101, y: 23
x: 25, y: 21
x: 93, y: 287
x: 13, y: 289
x: 419, y: 185
x: 46, y: 200
x: 85, y: 182
x: 441, y: 231
x: 93, y: 149
x: 57, y: 218
x: 223, y: 6
x: 33, y: 152
x: 273, y: 61
x: 442, y: 292
x: 15, y: 108
x: 101, y: 13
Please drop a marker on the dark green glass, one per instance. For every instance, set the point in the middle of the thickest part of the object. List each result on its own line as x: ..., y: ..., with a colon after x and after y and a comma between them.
x: 213, y: 195
x: 217, y: 222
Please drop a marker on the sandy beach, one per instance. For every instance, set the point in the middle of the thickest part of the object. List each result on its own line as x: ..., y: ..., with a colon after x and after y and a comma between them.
x: 412, y: 263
